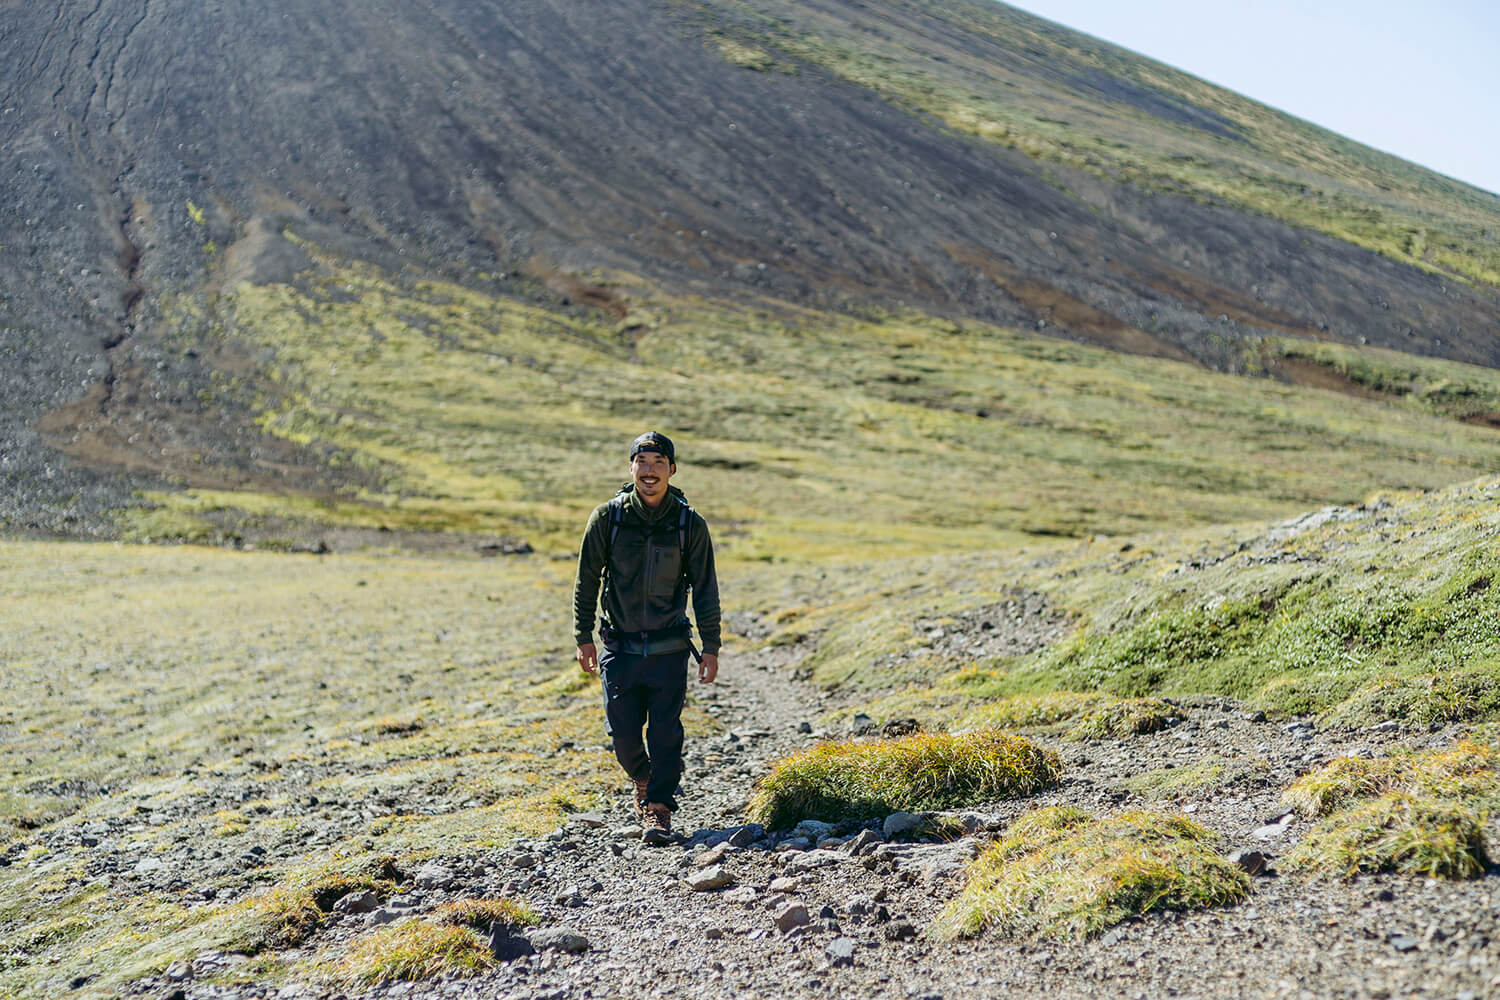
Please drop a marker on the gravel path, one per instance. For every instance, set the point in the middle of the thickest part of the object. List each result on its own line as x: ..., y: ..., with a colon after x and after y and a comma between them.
x: 791, y: 917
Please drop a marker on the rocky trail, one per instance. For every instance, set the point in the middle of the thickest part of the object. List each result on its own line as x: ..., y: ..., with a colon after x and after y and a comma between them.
x: 730, y: 910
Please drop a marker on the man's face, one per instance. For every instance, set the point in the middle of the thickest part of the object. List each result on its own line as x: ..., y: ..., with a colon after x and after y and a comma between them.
x: 650, y: 472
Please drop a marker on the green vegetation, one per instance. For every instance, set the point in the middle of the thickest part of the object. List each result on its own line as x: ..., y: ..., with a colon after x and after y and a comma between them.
x: 139, y: 679
x: 487, y: 914
x: 1081, y: 104
x: 929, y: 435
x: 1413, y: 813
x: 924, y: 771
x: 411, y: 950
x: 1061, y: 873
x: 1128, y: 717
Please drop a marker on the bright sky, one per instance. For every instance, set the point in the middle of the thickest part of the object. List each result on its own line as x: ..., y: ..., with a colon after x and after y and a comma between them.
x: 1417, y: 79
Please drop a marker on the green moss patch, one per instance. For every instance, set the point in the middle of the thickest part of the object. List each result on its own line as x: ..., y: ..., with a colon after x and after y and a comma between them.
x: 1413, y: 813
x: 925, y: 771
x: 1062, y: 873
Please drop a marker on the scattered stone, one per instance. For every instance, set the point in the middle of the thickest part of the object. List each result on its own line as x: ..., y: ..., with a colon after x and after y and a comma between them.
x: 434, y: 877
x: 525, y: 861
x: 148, y: 866
x: 741, y: 895
x: 783, y: 884
x: 713, y: 933
x: 1388, y: 726
x: 1273, y: 829
x: 746, y: 835
x: 827, y: 913
x: 558, y: 939
x: 626, y: 832
x: 804, y: 727
x: 865, y: 840
x: 710, y: 878
x: 861, y: 724
x: 901, y: 824
x: 358, y: 901
x: 179, y: 972
x: 590, y: 820
x: 813, y: 829
x: 900, y: 930
x: 507, y: 946
x: 1254, y: 716
x: 1112, y: 937
x: 840, y: 951
x: 858, y: 905
x: 712, y: 856
x: 1404, y: 942
x: 1252, y: 862
x: 790, y: 915
x: 821, y: 858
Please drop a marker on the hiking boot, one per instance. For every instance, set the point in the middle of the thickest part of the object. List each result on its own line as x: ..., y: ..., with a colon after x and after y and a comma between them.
x: 657, y: 821
x: 640, y: 796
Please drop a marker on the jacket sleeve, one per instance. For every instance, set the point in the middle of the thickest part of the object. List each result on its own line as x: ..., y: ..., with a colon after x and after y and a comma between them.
x: 705, y: 582
x: 591, y: 558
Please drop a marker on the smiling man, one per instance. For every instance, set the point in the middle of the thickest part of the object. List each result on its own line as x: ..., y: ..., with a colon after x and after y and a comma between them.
x: 649, y: 549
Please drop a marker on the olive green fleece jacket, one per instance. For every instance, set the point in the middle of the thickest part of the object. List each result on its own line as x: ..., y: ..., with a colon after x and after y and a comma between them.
x: 648, y: 573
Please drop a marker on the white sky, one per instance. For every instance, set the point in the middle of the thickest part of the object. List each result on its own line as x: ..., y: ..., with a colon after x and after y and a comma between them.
x: 1420, y: 80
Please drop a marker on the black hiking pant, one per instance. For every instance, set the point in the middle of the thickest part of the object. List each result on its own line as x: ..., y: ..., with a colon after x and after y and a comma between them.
x: 646, y: 691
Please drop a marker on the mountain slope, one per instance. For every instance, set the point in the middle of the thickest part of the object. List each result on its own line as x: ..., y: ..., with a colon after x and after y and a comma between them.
x: 160, y: 149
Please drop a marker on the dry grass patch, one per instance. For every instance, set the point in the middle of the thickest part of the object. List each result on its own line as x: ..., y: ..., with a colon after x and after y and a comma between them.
x: 1062, y: 873
x: 1398, y: 832
x: 410, y: 951
x: 924, y: 771
x: 1413, y: 813
x: 1128, y: 717
x: 484, y: 914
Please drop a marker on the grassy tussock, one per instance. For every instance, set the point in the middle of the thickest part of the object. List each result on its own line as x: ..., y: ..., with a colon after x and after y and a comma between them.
x: 1414, y: 813
x: 1062, y: 873
x: 925, y: 771
x: 1427, y: 699
x: 1397, y: 832
x: 1466, y: 772
x: 483, y: 914
x: 411, y: 951
x: 1128, y: 717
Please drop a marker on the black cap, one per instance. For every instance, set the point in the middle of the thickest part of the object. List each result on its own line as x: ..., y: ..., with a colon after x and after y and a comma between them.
x: 654, y: 441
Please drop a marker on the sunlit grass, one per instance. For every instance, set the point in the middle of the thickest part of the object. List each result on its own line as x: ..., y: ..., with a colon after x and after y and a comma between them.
x: 1417, y: 813
x: 925, y: 771
x: 1061, y: 873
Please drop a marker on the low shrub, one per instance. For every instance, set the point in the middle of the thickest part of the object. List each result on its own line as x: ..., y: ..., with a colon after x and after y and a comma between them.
x: 1436, y: 698
x: 1397, y: 832
x: 1129, y: 717
x: 924, y: 771
x: 410, y: 951
x: 484, y: 914
x: 1062, y: 873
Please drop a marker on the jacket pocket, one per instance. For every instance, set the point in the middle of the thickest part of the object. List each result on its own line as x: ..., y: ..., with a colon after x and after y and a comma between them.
x: 663, y: 568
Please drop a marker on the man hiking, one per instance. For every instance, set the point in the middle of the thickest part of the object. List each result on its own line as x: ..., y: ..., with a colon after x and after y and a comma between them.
x: 649, y: 548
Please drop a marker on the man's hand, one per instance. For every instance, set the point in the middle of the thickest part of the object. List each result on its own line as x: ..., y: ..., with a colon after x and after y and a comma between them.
x: 588, y: 658
x: 708, y: 668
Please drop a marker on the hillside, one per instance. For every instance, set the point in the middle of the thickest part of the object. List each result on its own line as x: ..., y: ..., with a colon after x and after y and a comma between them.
x: 964, y: 161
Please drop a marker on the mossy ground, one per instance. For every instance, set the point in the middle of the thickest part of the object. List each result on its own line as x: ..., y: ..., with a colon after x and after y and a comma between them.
x: 1062, y: 873
x: 398, y: 692
x: 1414, y: 813
x: 835, y: 782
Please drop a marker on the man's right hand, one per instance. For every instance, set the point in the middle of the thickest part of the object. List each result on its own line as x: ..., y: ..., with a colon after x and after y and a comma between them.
x: 588, y: 658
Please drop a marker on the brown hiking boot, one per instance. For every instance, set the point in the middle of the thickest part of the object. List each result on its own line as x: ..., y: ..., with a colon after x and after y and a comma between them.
x: 657, y: 821
x: 640, y: 796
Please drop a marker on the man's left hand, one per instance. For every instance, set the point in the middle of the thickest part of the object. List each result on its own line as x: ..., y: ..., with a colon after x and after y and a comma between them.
x: 708, y: 668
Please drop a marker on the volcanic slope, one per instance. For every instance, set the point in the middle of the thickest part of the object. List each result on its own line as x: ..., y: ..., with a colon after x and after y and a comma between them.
x: 961, y: 159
